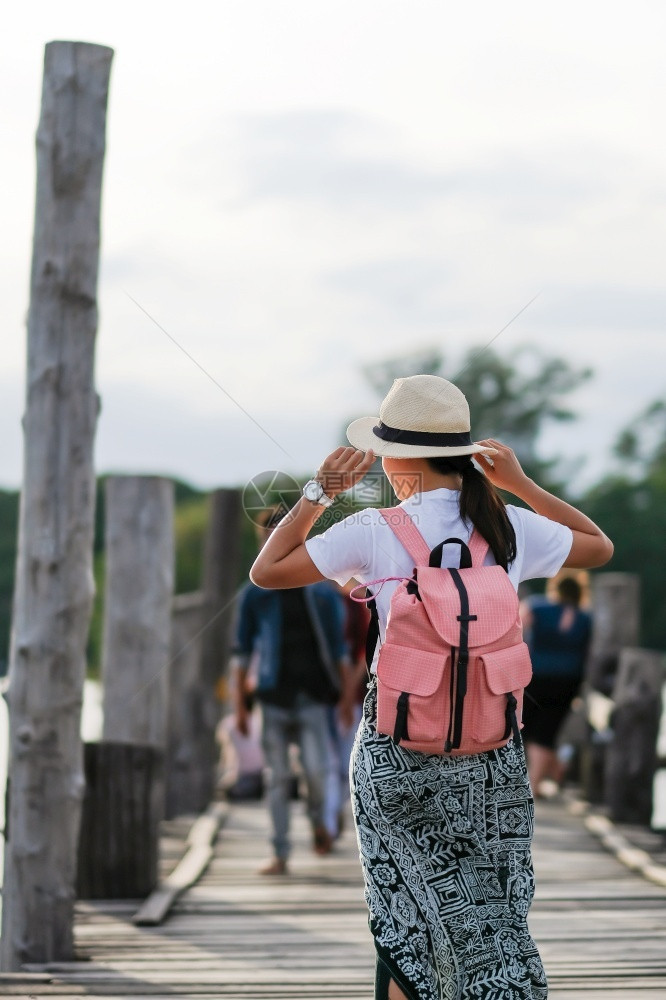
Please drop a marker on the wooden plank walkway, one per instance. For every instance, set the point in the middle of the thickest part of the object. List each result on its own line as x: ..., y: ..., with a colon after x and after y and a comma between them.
x: 601, y: 929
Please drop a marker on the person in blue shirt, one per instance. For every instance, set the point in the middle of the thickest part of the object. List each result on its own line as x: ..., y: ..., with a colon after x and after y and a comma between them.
x: 558, y: 635
x: 296, y: 636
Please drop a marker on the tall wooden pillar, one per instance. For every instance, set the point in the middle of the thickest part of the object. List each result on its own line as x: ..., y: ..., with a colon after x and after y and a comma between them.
x: 54, y: 581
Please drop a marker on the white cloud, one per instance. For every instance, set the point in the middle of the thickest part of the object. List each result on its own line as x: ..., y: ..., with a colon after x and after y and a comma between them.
x: 294, y: 189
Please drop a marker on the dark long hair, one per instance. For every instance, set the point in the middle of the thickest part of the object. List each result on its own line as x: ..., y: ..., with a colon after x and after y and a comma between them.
x: 482, y: 506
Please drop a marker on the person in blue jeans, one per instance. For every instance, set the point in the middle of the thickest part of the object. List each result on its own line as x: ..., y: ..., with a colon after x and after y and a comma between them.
x: 297, y: 637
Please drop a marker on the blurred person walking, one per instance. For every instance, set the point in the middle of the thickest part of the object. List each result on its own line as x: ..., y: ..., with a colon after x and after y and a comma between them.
x: 297, y: 634
x: 242, y: 759
x: 345, y: 717
x: 558, y: 633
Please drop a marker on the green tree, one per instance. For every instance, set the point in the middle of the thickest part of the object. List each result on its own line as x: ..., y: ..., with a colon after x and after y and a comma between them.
x: 511, y: 396
x: 630, y: 505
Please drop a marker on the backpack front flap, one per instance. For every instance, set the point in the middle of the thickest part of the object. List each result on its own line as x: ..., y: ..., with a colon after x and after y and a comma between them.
x: 493, y: 604
x: 476, y: 610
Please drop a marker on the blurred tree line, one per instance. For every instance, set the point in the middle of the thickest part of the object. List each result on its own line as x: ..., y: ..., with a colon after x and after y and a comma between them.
x: 630, y: 504
x: 512, y: 397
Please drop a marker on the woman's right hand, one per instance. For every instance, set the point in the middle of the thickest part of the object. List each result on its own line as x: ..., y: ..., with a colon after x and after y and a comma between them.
x: 342, y: 469
x: 503, y: 468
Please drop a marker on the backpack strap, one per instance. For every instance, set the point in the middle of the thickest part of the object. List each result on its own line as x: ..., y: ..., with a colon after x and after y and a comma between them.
x: 407, y: 534
x: 478, y: 548
x: 372, y: 635
x: 459, y: 664
x: 411, y: 538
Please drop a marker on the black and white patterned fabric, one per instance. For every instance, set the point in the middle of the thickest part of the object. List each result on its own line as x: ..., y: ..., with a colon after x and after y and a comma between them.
x: 445, y: 850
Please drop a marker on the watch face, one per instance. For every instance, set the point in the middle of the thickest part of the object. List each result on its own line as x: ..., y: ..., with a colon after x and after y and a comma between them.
x: 312, y: 490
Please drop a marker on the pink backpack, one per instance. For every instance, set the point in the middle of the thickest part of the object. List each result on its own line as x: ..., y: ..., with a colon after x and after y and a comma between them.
x: 452, y: 668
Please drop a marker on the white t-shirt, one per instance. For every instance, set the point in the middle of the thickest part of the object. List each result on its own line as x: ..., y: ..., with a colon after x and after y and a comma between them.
x: 364, y: 547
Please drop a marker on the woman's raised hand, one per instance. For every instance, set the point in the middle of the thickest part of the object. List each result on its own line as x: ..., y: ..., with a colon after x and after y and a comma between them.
x: 342, y: 469
x: 589, y: 547
x: 503, y: 468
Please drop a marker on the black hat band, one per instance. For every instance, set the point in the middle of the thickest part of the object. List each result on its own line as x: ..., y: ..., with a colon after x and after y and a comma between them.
x: 429, y: 438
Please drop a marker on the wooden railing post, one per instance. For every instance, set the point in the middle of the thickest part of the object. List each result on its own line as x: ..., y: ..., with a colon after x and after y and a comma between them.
x: 137, y: 614
x: 631, y: 756
x: 615, y: 625
x: 53, y: 586
x: 202, y: 634
x: 219, y: 584
x: 125, y: 772
x: 186, y: 710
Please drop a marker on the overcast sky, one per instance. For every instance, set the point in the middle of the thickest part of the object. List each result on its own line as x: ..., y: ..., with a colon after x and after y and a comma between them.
x: 295, y: 188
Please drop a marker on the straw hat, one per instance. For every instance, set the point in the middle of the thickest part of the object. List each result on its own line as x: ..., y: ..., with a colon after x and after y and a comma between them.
x: 422, y: 416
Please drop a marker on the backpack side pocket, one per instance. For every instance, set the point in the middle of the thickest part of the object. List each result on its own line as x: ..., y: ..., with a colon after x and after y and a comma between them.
x: 413, y: 701
x: 497, y: 675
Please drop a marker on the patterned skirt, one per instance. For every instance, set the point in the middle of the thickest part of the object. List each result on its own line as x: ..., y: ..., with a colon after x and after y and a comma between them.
x: 445, y: 850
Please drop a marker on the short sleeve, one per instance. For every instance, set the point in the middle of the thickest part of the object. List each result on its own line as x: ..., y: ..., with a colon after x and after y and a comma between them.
x: 344, y: 550
x: 543, y: 545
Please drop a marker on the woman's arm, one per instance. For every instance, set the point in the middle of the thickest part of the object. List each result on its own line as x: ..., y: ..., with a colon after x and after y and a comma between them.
x: 590, y: 546
x: 284, y: 560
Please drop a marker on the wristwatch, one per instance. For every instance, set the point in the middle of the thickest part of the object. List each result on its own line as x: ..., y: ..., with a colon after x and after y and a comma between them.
x: 314, y: 491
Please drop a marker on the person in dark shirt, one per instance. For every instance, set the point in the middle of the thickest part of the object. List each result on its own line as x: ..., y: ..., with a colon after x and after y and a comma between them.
x: 297, y: 636
x: 558, y: 634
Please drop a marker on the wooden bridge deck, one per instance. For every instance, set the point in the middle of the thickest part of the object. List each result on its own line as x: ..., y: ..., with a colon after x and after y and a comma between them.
x: 601, y: 929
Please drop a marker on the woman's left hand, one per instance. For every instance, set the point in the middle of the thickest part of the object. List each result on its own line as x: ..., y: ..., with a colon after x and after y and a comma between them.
x: 342, y: 469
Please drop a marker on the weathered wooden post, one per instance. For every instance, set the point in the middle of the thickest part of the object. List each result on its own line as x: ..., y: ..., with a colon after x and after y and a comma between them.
x: 192, y: 743
x: 54, y: 582
x: 137, y: 616
x: 220, y: 584
x: 189, y: 617
x: 616, y: 607
x: 615, y: 625
x: 631, y: 756
x: 125, y: 772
